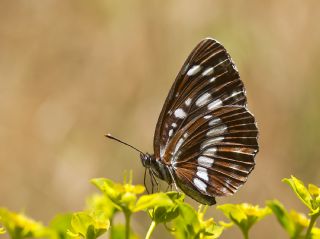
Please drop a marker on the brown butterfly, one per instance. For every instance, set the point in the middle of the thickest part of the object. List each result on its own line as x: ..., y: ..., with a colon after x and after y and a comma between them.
x: 205, y: 139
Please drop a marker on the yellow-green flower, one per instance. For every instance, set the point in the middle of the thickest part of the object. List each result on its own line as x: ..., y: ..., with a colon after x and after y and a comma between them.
x: 299, y: 219
x: 20, y: 226
x: 88, y: 224
x: 244, y: 215
x: 124, y: 196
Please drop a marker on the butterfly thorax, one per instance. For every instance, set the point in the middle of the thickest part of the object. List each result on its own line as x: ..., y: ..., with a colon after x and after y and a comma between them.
x: 159, y: 169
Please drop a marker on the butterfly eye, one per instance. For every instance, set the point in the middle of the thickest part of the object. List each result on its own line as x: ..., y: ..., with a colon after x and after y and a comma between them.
x: 145, y: 160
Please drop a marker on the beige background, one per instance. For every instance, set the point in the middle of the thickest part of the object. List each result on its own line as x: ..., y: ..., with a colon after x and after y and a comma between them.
x: 71, y: 71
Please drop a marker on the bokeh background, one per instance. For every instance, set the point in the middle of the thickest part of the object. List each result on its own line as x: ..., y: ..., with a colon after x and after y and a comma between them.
x: 71, y: 71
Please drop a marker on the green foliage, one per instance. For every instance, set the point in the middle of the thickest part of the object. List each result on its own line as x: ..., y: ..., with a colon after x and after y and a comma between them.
x: 2, y: 230
x: 88, y: 225
x: 191, y: 224
x: 293, y: 222
x: 169, y: 209
x: 310, y: 197
x: 244, y: 215
x: 59, y: 224
x: 20, y: 226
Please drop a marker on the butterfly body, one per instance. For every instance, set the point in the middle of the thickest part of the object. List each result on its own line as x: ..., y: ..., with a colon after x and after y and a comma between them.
x: 205, y: 139
x: 159, y: 169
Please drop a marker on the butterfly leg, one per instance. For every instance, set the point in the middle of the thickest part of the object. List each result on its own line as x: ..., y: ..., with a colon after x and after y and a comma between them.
x: 173, y: 180
x: 152, y: 183
x: 157, y: 183
x: 169, y: 187
x: 144, y: 180
x: 154, y: 179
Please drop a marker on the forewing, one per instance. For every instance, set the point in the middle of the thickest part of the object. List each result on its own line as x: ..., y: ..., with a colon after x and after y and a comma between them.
x: 215, y: 152
x: 207, y: 80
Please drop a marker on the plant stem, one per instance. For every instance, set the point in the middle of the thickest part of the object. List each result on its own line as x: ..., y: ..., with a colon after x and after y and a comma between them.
x: 245, y: 234
x: 128, y: 217
x: 312, y: 221
x: 151, y: 229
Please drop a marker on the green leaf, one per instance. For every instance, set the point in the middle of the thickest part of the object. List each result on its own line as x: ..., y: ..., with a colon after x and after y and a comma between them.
x: 310, y: 197
x: 60, y: 224
x: 232, y: 209
x: 294, y: 223
x: 162, y: 207
x: 112, y: 190
x: 176, y: 196
x: 164, y: 214
x: 190, y: 224
x: 282, y: 216
x: 300, y: 190
x: 314, y: 190
x: 88, y: 225
x: 80, y: 222
x: 153, y: 200
x: 99, y: 202
x: 186, y: 224
x: 315, y: 193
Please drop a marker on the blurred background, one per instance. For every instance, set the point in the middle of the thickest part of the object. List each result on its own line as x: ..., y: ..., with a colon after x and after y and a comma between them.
x: 71, y: 71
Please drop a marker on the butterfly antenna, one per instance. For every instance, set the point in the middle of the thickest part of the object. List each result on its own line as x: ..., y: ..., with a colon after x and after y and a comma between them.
x: 120, y: 141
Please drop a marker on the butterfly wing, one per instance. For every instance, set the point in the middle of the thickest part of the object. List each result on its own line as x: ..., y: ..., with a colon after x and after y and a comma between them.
x: 207, y: 80
x: 205, y: 134
x: 214, y: 154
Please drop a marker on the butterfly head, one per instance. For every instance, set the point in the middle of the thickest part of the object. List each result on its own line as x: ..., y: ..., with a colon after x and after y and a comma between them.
x: 146, y: 160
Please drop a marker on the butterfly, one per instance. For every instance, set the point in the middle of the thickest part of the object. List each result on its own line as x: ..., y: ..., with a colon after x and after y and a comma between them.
x: 205, y: 139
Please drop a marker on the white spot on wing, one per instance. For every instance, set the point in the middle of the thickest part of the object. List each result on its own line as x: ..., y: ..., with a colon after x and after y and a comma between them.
x: 214, y: 121
x: 188, y: 101
x: 205, y: 161
x: 203, y: 99
x: 208, y: 71
x: 202, y: 173
x: 234, y: 65
x: 170, y: 132
x: 180, y: 142
x: 228, y: 181
x: 194, y: 70
x: 179, y: 113
x: 185, y: 69
x: 207, y: 116
x: 210, y: 151
x: 162, y: 150
x: 199, y: 184
x: 235, y: 93
x: 211, y: 142
x: 214, y: 104
x: 212, y: 79
x: 217, y: 130
x: 236, y: 166
x: 243, y: 151
x: 174, y: 125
